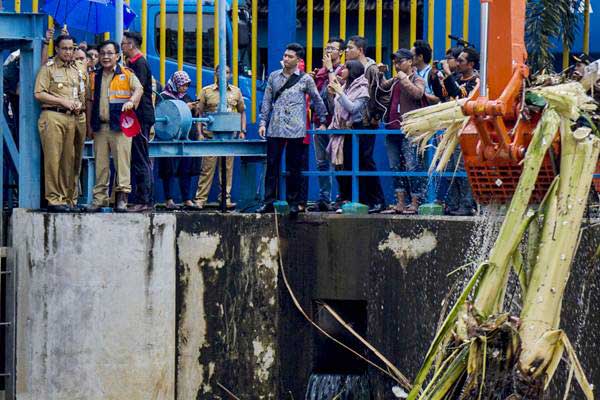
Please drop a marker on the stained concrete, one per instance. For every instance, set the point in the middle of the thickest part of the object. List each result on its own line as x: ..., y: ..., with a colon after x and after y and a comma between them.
x: 95, y: 306
x: 219, y: 300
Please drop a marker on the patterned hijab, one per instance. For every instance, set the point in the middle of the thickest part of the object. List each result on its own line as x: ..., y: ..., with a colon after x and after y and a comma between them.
x: 177, y: 80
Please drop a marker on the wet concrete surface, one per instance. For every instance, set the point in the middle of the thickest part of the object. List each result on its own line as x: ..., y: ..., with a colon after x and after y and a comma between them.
x: 233, y: 320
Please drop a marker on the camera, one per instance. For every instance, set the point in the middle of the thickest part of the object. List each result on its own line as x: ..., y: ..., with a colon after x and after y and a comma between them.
x: 438, y: 65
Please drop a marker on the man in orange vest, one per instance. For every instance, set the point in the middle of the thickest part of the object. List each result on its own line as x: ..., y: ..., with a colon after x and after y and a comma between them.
x: 113, y: 89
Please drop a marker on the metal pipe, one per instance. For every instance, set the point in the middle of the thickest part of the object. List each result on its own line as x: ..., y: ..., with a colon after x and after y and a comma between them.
x: 118, y: 20
x: 448, y: 23
x: 465, y: 34
x: 396, y: 25
x: 216, y: 46
x: 144, y: 26
x: 413, y: 22
x: 343, y: 19
x: 51, y: 44
x: 235, y: 15
x: 163, y: 41
x: 254, y: 57
x: 222, y: 56
x: 180, y: 32
x: 343, y: 27
x: 378, y: 30
x: 485, y: 14
x: 198, y: 47
x: 17, y: 6
x: 309, y: 34
x: 34, y: 6
x: 586, y: 28
x: 326, y: 16
x: 430, y: 22
x: 361, y: 18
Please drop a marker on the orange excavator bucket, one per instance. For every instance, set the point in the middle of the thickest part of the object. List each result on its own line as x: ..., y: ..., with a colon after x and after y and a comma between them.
x: 496, y: 138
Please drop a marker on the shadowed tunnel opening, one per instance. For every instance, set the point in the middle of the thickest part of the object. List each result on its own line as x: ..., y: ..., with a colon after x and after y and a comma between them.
x: 330, y: 357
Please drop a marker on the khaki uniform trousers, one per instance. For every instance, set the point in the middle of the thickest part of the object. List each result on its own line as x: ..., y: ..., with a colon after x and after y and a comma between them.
x: 59, y: 135
x: 109, y: 143
x: 80, y: 136
x: 207, y: 174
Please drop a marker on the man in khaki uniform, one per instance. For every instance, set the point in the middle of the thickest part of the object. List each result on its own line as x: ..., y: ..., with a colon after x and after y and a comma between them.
x: 208, y: 101
x: 60, y: 87
x: 113, y: 89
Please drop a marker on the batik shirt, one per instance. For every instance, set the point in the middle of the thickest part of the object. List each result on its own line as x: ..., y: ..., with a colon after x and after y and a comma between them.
x: 286, y: 118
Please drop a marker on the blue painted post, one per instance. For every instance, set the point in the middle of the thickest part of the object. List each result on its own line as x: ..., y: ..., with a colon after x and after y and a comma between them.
x: 29, y: 141
x: 247, y: 191
x: 89, y: 181
x: 281, y: 31
x: 355, y: 168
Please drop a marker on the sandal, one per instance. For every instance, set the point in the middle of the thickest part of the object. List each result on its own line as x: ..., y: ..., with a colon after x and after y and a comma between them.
x: 395, y: 209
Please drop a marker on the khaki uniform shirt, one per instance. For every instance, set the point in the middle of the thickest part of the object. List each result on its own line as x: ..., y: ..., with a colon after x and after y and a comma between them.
x: 64, y: 80
x: 210, y: 99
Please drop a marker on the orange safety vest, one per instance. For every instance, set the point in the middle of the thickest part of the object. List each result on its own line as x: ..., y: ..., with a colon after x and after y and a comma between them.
x: 119, y: 92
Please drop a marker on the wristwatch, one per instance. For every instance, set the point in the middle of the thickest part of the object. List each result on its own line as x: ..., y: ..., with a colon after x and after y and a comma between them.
x: 331, y: 70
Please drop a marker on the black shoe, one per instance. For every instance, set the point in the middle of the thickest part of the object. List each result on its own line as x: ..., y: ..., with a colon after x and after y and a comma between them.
x: 61, y: 208
x: 324, y: 206
x: 266, y: 208
x: 294, y: 210
x: 376, y: 208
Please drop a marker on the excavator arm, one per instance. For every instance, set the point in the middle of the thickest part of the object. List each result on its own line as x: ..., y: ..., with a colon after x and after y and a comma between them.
x: 496, y: 137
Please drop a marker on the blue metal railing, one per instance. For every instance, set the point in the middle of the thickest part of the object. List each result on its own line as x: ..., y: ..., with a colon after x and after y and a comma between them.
x: 355, y: 172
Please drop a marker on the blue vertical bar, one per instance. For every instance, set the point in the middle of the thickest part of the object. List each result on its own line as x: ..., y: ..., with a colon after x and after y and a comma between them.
x: 89, y: 180
x: 431, y: 182
x: 355, y: 168
x: 281, y: 30
x: 29, y: 141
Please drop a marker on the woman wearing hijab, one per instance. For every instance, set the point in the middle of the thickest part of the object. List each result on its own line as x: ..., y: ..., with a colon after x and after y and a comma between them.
x: 182, y: 168
x: 349, y: 108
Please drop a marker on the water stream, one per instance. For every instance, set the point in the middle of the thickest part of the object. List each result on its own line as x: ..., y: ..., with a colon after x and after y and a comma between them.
x: 338, y: 387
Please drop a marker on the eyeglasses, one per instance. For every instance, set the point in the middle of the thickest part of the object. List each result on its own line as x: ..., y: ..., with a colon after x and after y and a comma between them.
x: 332, y: 48
x: 67, y: 49
x: 107, y: 54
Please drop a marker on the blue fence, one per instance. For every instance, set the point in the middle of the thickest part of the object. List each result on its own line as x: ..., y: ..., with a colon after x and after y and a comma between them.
x: 355, y: 173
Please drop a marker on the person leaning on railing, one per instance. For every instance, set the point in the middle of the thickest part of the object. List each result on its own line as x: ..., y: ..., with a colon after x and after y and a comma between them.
x: 350, y: 105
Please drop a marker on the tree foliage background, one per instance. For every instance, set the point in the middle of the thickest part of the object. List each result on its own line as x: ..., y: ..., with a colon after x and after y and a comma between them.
x: 550, y: 22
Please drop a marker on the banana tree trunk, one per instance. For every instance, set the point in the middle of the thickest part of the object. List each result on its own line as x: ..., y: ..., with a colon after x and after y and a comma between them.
x: 559, y: 237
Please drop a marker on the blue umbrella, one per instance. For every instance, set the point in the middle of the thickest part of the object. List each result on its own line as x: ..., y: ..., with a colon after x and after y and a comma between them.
x: 95, y: 16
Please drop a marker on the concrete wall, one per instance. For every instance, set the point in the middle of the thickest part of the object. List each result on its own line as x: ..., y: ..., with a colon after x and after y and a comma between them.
x: 174, y: 306
x: 95, y: 306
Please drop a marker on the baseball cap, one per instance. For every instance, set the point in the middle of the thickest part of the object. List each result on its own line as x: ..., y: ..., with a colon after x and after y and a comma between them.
x: 402, y: 53
x: 129, y: 123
